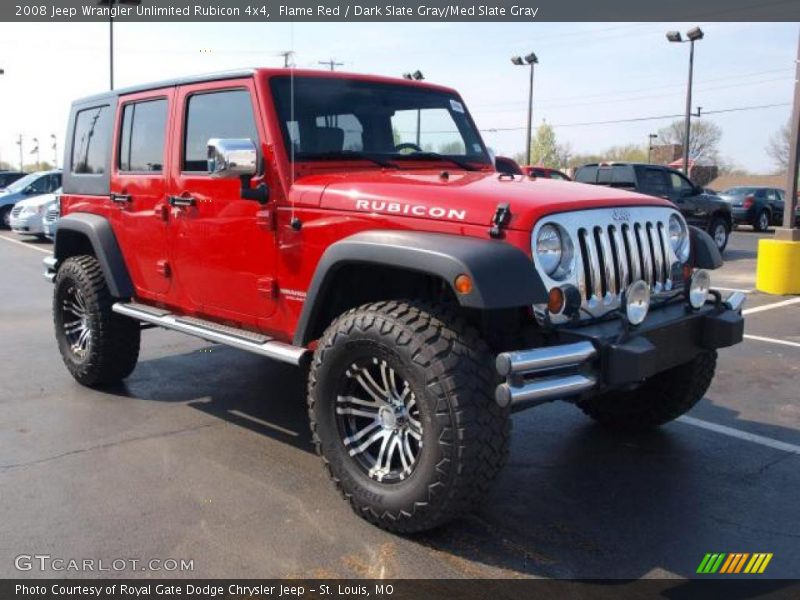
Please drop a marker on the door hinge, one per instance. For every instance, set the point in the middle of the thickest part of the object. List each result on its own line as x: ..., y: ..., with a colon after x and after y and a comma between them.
x: 265, y: 218
x: 500, y: 220
x: 162, y: 266
x: 267, y: 286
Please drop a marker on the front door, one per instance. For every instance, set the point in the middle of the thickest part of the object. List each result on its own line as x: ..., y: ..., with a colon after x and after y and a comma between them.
x: 223, y: 254
x: 139, y: 189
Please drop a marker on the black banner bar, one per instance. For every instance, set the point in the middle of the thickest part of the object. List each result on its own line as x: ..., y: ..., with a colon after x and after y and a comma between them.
x: 733, y: 588
x: 400, y: 10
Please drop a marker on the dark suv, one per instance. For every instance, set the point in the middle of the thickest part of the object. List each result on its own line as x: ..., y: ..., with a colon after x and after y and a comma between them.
x: 701, y: 209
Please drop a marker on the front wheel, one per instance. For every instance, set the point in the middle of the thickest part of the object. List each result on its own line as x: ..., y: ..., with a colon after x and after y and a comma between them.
x: 762, y: 221
x: 660, y: 399
x: 402, y: 410
x: 98, y: 346
x: 720, y: 232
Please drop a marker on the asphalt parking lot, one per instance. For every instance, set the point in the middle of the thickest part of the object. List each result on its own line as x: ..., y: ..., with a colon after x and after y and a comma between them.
x: 204, y: 454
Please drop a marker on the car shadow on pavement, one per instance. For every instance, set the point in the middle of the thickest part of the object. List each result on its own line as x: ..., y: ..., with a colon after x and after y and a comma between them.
x: 253, y: 392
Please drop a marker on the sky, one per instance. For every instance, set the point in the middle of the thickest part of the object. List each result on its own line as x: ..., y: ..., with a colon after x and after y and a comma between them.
x: 587, y: 72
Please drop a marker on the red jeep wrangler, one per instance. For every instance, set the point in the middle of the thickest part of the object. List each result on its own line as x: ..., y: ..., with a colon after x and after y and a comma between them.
x: 355, y: 226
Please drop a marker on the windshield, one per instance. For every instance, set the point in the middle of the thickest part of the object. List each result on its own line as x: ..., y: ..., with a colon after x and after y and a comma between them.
x: 355, y: 120
x: 21, y: 184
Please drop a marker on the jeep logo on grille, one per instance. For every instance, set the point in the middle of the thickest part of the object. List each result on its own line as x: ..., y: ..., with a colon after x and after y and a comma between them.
x: 620, y: 214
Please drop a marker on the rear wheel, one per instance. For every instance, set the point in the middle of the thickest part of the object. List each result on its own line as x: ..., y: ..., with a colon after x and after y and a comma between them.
x: 401, y: 404
x: 98, y: 346
x: 662, y: 398
x: 762, y: 221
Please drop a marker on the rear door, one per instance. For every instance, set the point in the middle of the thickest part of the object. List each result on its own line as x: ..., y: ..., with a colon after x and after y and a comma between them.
x: 224, y: 253
x: 139, y: 189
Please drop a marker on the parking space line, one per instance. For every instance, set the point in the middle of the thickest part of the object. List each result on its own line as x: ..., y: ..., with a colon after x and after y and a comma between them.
x: 26, y: 245
x: 755, y: 309
x: 727, y: 289
x: 760, y: 338
x: 742, y: 435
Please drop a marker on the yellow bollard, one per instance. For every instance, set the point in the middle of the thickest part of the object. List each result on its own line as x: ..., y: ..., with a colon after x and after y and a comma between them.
x: 778, y: 267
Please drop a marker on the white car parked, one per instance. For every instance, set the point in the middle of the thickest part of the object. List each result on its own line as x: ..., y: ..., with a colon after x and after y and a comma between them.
x: 27, y: 215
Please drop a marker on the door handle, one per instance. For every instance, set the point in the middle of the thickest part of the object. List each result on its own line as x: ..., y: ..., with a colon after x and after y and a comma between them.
x: 120, y: 198
x: 182, y: 201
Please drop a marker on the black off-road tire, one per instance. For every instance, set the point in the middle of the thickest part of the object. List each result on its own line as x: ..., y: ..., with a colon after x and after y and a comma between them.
x: 465, y: 433
x: 662, y: 398
x: 112, y: 349
x: 718, y: 223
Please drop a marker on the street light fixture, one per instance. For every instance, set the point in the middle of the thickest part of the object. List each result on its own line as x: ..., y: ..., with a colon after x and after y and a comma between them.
x: 531, y: 59
x: 692, y: 36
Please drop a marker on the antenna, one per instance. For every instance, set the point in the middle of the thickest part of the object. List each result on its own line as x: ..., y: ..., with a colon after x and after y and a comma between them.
x: 292, y: 120
x: 331, y: 63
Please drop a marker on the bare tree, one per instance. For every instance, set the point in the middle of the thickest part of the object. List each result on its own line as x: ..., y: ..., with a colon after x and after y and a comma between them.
x: 778, y: 147
x: 703, y: 141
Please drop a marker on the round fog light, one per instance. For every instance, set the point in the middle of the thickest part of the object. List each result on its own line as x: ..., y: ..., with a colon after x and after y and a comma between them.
x: 699, y: 285
x: 637, y: 302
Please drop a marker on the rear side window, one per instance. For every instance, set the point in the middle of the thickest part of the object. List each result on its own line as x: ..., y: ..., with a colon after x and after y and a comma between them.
x: 586, y: 175
x: 226, y: 114
x: 654, y: 182
x: 142, y: 137
x: 90, y: 140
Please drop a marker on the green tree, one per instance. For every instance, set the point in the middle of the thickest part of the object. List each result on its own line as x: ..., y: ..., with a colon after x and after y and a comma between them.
x: 544, y: 149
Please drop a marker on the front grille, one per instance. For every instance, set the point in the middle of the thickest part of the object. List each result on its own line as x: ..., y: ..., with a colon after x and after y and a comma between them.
x: 612, y: 249
x: 15, y: 211
x: 52, y: 215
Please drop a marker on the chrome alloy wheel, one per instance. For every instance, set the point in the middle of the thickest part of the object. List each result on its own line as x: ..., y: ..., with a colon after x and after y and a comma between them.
x: 763, y: 221
x: 75, y: 321
x: 379, y: 421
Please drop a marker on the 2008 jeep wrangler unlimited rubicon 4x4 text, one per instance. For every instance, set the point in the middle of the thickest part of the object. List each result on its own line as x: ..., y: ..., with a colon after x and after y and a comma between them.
x: 356, y: 227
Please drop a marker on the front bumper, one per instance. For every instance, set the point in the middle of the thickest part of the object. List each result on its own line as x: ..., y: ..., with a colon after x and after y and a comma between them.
x: 603, y: 356
x: 28, y: 224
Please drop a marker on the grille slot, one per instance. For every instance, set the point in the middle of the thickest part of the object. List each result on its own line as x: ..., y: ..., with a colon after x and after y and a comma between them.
x: 15, y: 211
x: 613, y: 250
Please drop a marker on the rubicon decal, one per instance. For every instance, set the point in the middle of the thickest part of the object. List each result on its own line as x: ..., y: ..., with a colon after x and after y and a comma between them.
x: 415, y: 210
x: 734, y: 562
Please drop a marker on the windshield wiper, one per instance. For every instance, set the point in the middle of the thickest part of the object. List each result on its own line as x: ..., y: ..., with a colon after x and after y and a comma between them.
x: 436, y: 156
x: 347, y: 155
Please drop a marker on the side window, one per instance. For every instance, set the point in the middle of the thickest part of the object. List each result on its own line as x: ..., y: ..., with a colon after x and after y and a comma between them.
x: 41, y: 185
x: 586, y: 175
x: 680, y: 185
x: 142, y: 136
x: 90, y: 140
x: 654, y: 182
x: 227, y: 114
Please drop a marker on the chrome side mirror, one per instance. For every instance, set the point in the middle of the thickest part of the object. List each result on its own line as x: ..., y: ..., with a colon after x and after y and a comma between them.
x: 232, y: 158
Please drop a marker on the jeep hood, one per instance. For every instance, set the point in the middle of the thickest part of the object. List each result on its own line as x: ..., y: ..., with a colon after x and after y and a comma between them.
x: 462, y: 197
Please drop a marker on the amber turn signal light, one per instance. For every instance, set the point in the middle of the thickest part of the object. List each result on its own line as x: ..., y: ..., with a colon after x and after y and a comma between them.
x: 463, y: 284
x: 555, y: 300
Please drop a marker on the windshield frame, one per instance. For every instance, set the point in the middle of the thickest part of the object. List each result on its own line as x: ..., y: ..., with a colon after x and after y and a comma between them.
x: 480, y: 159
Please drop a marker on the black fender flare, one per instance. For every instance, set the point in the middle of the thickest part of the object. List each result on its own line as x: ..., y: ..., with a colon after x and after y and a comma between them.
x: 101, y: 236
x: 503, y: 275
x: 705, y: 254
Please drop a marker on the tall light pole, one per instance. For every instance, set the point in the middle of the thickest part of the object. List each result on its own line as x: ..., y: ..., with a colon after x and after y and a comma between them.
x: 19, y: 143
x: 692, y: 36
x: 111, y: 4
x: 55, y: 150
x: 531, y: 59
x: 650, y: 139
x: 36, y: 151
x: 791, y: 232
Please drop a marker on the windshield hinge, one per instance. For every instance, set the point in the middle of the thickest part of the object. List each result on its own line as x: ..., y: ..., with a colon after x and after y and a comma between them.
x: 500, y: 220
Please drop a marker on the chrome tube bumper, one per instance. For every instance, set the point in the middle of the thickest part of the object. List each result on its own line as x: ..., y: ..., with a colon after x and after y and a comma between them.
x: 529, y: 374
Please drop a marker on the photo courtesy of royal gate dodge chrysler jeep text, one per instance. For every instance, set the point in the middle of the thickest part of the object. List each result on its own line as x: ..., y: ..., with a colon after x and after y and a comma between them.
x: 309, y: 218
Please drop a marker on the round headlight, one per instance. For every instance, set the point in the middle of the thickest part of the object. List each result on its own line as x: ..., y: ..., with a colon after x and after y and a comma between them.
x: 699, y: 285
x: 637, y: 302
x: 554, y: 250
x: 549, y: 248
x: 679, y: 238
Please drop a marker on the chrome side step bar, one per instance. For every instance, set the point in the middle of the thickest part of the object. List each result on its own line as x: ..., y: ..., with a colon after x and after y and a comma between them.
x: 529, y: 374
x: 213, y: 332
